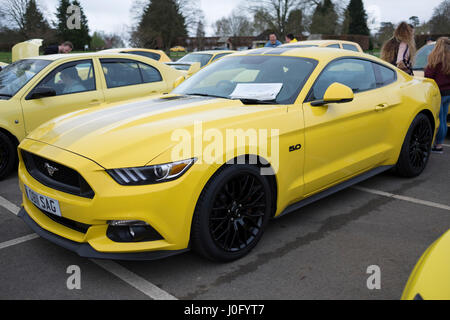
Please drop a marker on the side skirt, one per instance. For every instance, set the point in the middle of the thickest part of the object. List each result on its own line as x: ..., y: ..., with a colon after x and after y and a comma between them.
x: 335, y: 189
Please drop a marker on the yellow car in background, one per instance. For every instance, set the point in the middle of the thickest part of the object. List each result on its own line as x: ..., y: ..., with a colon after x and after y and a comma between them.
x: 336, y: 44
x: 157, y: 55
x: 430, y: 279
x: 255, y: 135
x: 204, y: 58
x: 35, y: 90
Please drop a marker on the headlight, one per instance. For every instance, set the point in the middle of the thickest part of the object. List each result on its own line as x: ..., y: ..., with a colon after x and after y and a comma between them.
x: 152, y: 174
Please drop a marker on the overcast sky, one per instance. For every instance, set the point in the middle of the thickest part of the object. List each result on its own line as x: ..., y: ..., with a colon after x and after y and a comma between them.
x: 114, y: 15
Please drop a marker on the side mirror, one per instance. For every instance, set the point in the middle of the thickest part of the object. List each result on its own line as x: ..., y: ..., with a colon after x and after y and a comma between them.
x: 41, y: 92
x: 177, y: 82
x: 336, y: 93
x: 193, y: 69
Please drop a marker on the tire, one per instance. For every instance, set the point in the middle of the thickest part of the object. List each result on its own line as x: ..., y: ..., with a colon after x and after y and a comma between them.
x: 232, y: 213
x: 416, y: 149
x: 8, y: 156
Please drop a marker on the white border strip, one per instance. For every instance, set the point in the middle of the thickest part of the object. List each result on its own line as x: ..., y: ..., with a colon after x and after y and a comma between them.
x: 134, y: 280
x: 14, y: 242
x: 446, y: 145
x: 9, y: 206
x: 404, y: 198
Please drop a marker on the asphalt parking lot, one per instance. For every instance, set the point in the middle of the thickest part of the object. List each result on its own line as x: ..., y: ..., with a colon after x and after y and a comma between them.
x: 321, y: 252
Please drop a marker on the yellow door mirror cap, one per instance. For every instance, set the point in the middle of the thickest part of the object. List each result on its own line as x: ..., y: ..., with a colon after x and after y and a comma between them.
x: 336, y: 93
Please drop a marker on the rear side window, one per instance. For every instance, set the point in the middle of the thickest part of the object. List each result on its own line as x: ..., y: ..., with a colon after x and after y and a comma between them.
x: 121, y: 73
x: 350, y: 47
x: 151, y: 55
x: 355, y: 73
x: 384, y: 75
x: 337, y: 46
x: 219, y: 56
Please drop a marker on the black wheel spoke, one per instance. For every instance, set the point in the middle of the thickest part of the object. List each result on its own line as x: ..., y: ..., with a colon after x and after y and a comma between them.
x: 238, y: 212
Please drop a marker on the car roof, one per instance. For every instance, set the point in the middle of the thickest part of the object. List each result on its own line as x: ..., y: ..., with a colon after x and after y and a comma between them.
x: 130, y: 49
x: 320, y: 42
x: 213, y: 52
x: 86, y: 55
x: 315, y: 53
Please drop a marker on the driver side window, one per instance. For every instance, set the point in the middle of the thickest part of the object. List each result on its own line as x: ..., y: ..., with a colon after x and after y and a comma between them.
x: 355, y: 73
x: 70, y: 78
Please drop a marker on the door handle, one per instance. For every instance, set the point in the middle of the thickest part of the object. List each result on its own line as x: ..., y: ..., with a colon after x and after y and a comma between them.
x: 94, y: 102
x: 382, y: 107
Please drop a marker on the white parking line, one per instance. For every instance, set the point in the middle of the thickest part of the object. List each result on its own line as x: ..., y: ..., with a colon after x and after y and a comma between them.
x: 9, y: 206
x: 14, y: 242
x: 404, y: 198
x: 446, y: 145
x: 134, y: 280
x: 122, y: 273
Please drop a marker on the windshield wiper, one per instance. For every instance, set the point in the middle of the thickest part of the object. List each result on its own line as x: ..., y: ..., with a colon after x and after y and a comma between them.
x: 5, y: 95
x: 207, y: 95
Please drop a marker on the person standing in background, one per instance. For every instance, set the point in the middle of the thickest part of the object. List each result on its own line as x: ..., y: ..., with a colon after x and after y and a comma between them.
x: 273, y: 41
x: 66, y: 47
x: 400, y: 50
x: 290, y: 38
x: 438, y: 69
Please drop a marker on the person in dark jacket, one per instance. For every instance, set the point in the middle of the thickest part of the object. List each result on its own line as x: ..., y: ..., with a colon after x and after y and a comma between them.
x: 438, y: 69
x: 66, y: 47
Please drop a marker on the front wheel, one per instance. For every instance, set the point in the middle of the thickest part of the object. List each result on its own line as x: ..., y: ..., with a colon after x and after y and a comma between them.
x: 416, y: 148
x: 8, y: 155
x: 232, y: 213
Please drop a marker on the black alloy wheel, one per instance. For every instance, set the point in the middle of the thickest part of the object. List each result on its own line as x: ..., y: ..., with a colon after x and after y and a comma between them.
x: 232, y: 213
x: 416, y: 148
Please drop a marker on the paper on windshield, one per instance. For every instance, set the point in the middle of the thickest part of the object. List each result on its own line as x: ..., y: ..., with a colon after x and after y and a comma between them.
x: 257, y: 91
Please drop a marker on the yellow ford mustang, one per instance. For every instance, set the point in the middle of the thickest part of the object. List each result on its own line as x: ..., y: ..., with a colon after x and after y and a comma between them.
x: 35, y: 90
x: 253, y: 136
x: 205, y: 58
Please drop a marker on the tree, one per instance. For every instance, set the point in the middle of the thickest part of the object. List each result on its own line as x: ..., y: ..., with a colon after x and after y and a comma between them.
x: 440, y: 21
x: 80, y: 37
x: 414, y: 21
x: 325, y: 19
x: 200, y: 34
x: 234, y: 26
x: 274, y: 14
x: 295, y: 22
x: 35, y: 24
x: 161, y: 21
x: 14, y: 11
x: 385, y: 32
x: 62, y: 31
x: 97, y: 41
x: 356, y: 19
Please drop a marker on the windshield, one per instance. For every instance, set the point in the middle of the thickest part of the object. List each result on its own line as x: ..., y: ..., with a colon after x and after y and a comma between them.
x: 18, y: 74
x: 422, y: 57
x: 224, y: 77
x: 197, y: 57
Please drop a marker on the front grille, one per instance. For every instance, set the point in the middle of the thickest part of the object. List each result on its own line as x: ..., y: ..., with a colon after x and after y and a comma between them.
x: 74, y: 225
x: 56, y: 176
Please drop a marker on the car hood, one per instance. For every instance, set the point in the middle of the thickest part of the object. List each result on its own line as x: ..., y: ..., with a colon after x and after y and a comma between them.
x: 133, y: 134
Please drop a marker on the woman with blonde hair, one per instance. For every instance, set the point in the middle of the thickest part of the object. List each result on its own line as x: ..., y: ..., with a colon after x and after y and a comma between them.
x: 438, y: 69
x: 400, y: 50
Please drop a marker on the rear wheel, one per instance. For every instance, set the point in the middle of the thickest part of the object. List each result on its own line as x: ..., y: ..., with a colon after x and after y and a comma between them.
x: 232, y: 213
x: 416, y: 148
x: 8, y: 155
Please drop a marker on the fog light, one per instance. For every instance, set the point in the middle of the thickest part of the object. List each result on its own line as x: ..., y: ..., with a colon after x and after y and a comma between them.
x: 131, y: 231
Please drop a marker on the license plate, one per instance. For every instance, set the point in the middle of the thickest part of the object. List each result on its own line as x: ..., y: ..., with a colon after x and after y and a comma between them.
x: 44, y: 203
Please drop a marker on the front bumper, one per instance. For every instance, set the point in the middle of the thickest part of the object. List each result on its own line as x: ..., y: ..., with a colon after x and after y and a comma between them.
x: 168, y: 208
x: 85, y: 250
